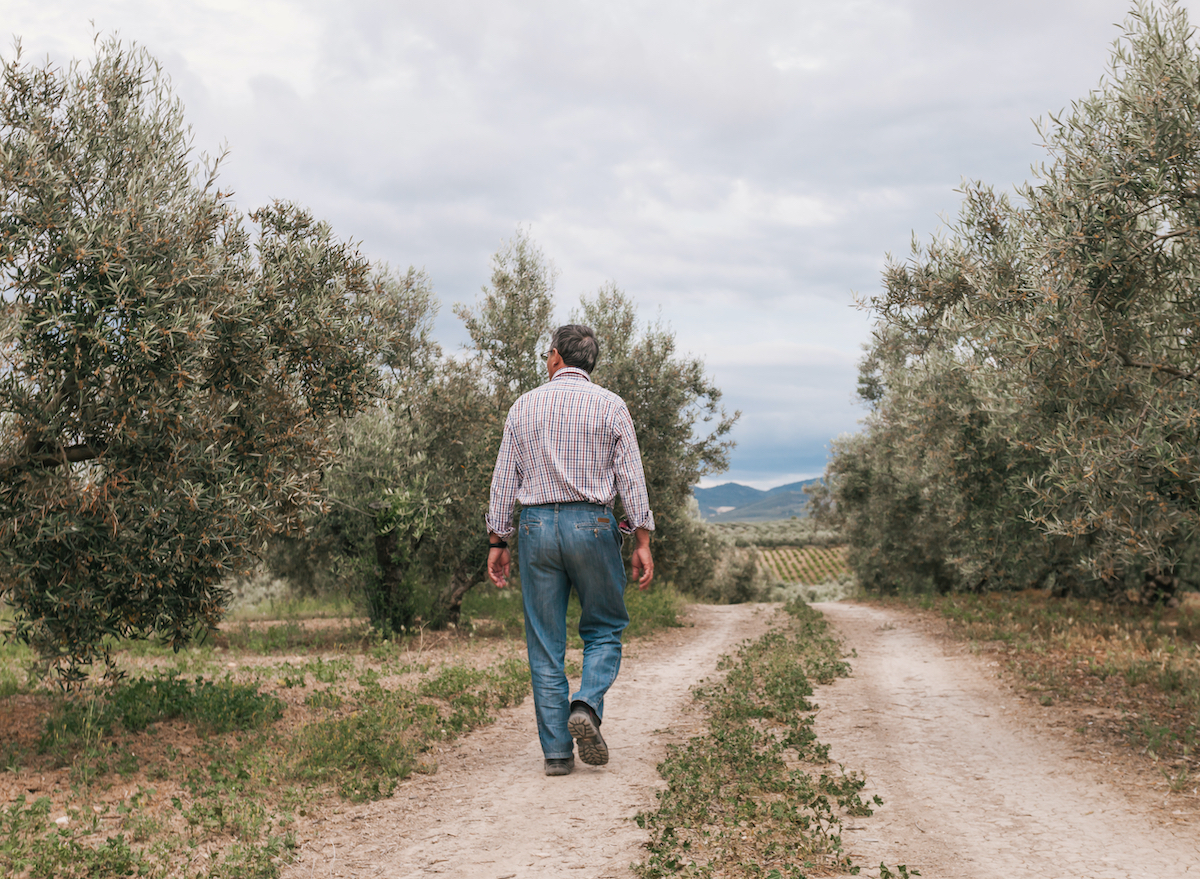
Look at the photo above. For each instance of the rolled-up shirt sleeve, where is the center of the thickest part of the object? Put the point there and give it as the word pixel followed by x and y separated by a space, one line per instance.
pixel 506 482
pixel 627 471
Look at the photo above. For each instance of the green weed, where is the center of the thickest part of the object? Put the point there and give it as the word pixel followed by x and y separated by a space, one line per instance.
pixel 255 861
pixel 1178 782
pixel 329 672
pixel 290 676
pixel 655 608
pixel 1144 732
pixel 472 693
pixel 12 758
pixel 365 754
pixel 324 699
pixel 902 872
pixel 215 707
pixel 31 845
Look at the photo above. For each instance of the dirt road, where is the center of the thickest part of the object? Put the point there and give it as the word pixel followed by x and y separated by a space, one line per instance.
pixel 978 783
pixel 490 813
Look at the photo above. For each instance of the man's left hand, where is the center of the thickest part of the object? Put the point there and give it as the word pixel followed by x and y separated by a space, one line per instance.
pixel 643 564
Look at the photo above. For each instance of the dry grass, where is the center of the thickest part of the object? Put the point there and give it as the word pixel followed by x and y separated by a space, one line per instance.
pixel 1134 671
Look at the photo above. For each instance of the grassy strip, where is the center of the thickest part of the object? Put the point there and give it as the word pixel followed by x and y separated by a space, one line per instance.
pixel 740 801
pixel 186 768
pixel 214 706
pixel 367 752
pixel 230 811
pixel 1134 670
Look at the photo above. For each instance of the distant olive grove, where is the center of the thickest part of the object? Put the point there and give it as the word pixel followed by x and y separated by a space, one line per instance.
pixel 187 392
pixel 1034 375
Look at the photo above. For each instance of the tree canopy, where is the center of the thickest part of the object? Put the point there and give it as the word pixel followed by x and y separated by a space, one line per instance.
pixel 185 390
pixel 1033 373
pixel 169 369
pixel 436 440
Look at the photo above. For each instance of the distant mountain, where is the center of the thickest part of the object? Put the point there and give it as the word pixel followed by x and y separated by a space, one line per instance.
pixel 793 486
pixel 728 495
pixel 779 505
pixel 733 502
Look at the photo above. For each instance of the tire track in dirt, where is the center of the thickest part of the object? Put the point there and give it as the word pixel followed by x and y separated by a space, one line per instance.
pixel 490 812
pixel 975 783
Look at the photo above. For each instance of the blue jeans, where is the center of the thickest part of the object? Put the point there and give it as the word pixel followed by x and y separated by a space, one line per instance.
pixel 560 546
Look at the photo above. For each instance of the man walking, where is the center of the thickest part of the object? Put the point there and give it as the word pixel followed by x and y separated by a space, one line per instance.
pixel 568 448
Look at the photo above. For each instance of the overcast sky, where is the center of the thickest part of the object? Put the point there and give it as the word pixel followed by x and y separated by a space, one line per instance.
pixel 741 169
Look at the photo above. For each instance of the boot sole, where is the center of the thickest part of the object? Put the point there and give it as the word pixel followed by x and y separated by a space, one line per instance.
pixel 592 749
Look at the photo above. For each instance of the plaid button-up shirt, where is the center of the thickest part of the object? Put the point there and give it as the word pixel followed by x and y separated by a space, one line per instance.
pixel 565 442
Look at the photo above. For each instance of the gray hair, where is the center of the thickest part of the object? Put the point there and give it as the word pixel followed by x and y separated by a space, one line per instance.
pixel 577 346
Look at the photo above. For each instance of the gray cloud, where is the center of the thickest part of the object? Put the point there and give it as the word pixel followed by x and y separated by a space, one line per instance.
pixel 738 167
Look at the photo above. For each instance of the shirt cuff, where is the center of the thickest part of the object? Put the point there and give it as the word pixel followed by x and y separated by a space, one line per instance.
pixel 502 532
pixel 647 521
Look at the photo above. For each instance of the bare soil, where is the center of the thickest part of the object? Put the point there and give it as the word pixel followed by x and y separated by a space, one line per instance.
pixel 489 812
pixel 979 782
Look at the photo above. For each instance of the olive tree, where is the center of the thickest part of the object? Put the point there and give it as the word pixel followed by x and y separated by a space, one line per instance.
pixel 464 410
pixel 510 325
pixel 681 426
pixel 418 466
pixel 1070 320
pixel 376 508
pixel 168 370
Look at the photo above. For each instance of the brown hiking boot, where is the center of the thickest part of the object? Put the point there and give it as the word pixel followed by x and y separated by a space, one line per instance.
pixel 584 727
pixel 559 765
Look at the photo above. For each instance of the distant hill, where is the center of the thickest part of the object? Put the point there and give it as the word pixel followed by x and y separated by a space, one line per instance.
pixel 793 486
pixel 728 495
pixel 733 502
pixel 782 505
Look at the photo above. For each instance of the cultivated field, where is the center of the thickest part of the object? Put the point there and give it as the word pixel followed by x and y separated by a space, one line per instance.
pixel 806 565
